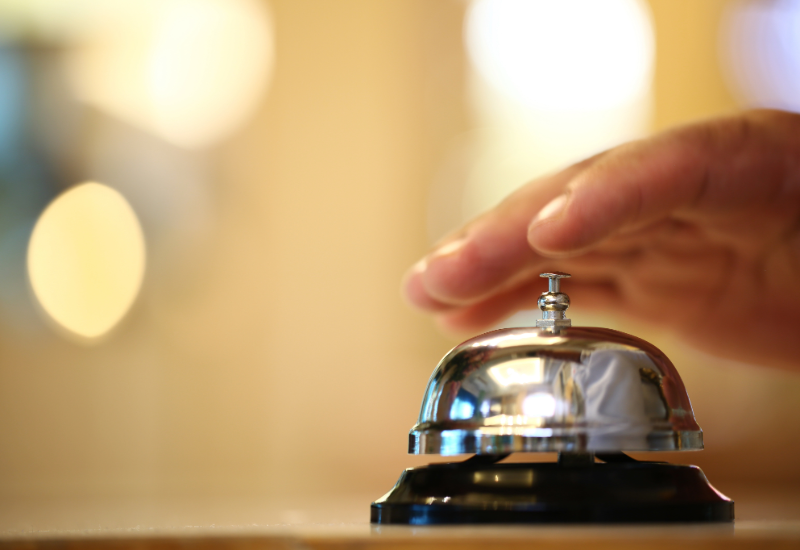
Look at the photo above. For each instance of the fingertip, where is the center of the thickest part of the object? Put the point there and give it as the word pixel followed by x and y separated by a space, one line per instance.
pixel 452 273
pixel 414 291
pixel 543 238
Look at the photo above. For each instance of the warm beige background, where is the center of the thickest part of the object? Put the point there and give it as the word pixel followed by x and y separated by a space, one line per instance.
pixel 278 358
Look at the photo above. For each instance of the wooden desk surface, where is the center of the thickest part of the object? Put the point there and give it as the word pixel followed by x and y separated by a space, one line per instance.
pixel 767 517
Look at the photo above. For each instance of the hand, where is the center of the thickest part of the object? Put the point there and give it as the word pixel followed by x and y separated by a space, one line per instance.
pixel 696 230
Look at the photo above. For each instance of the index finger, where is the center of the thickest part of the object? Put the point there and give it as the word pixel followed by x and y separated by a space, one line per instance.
pixel 727 166
pixel 487 254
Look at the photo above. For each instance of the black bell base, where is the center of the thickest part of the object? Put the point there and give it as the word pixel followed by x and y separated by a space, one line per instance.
pixel 541 493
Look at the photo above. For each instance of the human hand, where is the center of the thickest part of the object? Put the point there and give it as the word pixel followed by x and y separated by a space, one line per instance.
pixel 696 230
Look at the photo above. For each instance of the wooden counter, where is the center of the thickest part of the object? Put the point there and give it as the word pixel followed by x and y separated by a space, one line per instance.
pixel 768 517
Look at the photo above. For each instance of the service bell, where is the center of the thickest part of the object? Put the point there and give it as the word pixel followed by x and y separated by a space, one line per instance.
pixel 587 393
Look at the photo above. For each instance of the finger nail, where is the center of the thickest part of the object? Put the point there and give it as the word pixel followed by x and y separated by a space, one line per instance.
pixel 418 267
pixel 444 250
pixel 448 249
pixel 551 209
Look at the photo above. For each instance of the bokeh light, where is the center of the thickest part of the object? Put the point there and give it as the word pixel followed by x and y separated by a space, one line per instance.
pixel 86 259
pixel 552 83
pixel 761 48
pixel 565 55
pixel 190 71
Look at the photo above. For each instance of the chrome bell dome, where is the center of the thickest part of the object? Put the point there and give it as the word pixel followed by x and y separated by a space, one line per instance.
pixel 554 388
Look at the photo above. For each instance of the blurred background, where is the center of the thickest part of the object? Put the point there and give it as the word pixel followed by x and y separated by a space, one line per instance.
pixel 207 206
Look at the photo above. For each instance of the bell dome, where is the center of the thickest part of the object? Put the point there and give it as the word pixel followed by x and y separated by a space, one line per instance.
pixel 554 388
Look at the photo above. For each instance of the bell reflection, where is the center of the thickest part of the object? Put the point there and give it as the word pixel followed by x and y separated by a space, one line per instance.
pixel 463 407
pixel 619 400
pixel 511 479
pixel 614 394
pixel 539 404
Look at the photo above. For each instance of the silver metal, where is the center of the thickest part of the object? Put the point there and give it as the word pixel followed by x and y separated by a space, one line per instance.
pixel 553 322
pixel 554 280
pixel 555 389
pixel 554 303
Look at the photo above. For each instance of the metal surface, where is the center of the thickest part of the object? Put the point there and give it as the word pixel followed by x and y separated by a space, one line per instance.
pixel 554 303
pixel 555 388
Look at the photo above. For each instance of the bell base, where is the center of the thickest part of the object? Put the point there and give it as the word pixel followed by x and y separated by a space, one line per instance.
pixel 546 493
